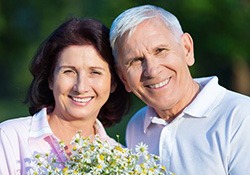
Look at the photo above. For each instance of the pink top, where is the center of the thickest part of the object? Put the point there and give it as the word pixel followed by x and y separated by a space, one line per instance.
pixel 20 138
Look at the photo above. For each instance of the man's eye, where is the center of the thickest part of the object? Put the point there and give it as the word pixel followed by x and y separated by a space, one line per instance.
pixel 159 50
pixel 136 61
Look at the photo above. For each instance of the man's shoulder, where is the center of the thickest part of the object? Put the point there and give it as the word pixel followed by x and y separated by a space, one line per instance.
pixel 237 103
pixel 140 114
pixel 138 117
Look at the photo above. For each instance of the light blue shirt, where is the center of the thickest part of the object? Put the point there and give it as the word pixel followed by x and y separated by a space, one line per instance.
pixel 210 137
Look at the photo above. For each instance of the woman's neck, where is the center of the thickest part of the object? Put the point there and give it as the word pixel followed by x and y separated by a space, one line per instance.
pixel 65 130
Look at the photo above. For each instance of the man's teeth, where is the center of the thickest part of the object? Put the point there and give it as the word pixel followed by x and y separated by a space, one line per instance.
pixel 82 100
pixel 159 85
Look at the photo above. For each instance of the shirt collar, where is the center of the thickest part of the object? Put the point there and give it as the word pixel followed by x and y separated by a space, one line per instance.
pixel 100 129
pixel 152 117
pixel 102 133
pixel 209 96
pixel 39 125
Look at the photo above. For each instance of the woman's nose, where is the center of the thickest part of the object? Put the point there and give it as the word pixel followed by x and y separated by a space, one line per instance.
pixel 81 84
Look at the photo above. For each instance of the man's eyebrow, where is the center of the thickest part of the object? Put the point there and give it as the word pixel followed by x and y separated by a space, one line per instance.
pixel 127 63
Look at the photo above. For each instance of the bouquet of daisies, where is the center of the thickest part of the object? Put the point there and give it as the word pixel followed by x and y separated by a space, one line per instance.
pixel 97 157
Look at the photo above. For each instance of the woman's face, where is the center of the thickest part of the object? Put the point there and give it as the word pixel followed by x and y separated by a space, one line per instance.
pixel 81 83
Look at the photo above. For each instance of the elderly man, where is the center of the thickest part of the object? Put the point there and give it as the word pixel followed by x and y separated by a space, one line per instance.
pixel 196 126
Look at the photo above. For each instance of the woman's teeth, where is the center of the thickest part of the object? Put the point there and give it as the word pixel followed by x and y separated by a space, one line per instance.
pixel 82 100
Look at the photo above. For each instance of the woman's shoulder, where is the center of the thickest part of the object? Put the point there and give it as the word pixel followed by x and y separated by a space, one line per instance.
pixel 16 124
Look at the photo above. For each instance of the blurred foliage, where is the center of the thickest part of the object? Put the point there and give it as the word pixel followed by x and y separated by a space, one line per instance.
pixel 220 30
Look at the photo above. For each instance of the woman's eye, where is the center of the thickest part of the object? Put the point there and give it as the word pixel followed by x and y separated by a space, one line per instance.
pixel 69 71
pixel 96 72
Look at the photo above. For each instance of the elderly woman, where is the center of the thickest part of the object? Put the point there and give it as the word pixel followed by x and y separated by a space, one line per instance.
pixel 74 88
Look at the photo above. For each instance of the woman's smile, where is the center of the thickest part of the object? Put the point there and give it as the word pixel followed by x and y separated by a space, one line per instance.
pixel 81 99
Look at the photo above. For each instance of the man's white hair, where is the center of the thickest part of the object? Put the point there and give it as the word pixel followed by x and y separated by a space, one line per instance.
pixel 127 21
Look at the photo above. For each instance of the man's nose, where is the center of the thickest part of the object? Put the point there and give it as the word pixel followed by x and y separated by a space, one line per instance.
pixel 151 68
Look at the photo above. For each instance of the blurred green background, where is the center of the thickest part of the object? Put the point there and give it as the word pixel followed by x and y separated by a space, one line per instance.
pixel 220 30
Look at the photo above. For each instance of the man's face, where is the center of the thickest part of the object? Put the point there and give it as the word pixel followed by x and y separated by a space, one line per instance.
pixel 153 64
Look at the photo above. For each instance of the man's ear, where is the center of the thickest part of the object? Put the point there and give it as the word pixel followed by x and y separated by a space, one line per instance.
pixel 122 77
pixel 187 43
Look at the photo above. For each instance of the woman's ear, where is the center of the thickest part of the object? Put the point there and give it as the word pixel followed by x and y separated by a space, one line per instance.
pixel 188 47
pixel 122 77
pixel 50 81
pixel 113 86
